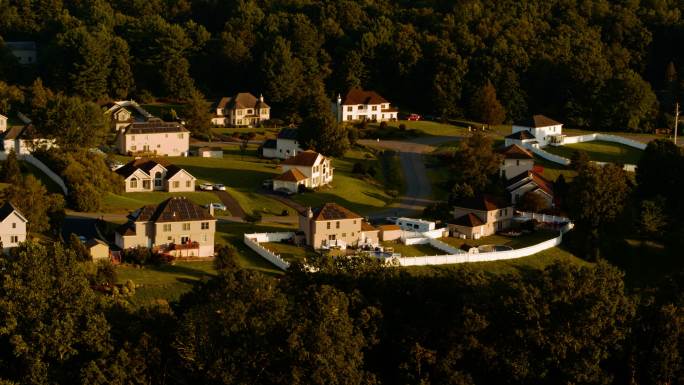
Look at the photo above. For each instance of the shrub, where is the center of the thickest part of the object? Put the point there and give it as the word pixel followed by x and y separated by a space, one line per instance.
pixel 402 127
pixel 359 168
pixel 106 273
pixel 383 125
pixel 371 171
pixel 225 258
pixel 139 255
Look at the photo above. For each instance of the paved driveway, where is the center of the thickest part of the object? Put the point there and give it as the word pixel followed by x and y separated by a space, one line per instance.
pixel 231 203
pixel 418 194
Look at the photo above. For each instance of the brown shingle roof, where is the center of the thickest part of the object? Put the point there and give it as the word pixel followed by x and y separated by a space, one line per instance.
pixel 154 127
pixel 359 96
pixel 515 152
pixel 292 175
pixel 483 203
pixel 242 100
pixel 365 226
pixel 468 220
pixel 540 121
pixel 303 158
pixel 536 178
pixel 126 229
pixel 172 170
pixel 175 209
pixel 333 211
pixel 521 135
pixel 389 227
pixel 144 164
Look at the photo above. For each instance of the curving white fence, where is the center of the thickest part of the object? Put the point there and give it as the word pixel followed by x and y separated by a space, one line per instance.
pixel 547 155
pixel 604 138
pixel 252 241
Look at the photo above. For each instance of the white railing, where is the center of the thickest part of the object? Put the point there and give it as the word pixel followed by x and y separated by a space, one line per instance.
pixel 271 237
pixel 251 240
pixel 542 217
pixel 547 155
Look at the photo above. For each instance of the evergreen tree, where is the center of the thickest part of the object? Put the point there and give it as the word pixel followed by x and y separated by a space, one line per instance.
pixel 485 107
pixel 198 115
pixel 121 77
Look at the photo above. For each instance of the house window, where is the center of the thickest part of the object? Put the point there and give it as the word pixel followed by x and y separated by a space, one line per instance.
pixel 186 226
pixel 205 225
pixel 132 138
pixel 159 146
pixel 146 184
pixel 158 179
pixel 180 136
pixel 134 183
pixel 250 111
pixel 14 239
pixel 176 184
pixel 14 225
pixel 169 238
pixel 188 183
pixel 327 225
pixel 354 221
pixel 360 108
pixel 344 235
pixel 167 227
pixel 185 239
pixel 349 117
pixel 374 108
pixel 337 224
pixel 133 148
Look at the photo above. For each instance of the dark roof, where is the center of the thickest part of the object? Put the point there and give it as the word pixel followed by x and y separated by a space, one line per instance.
pixel 20 132
pixel 223 102
pixel 293 175
pixel 172 170
pixel 7 209
pixel 175 209
pixel 303 158
pixel 244 100
pixel 468 220
pixel 13 133
pixel 515 152
pixel 94 241
pixel 521 135
pixel 21 45
pixel 270 143
pixel 333 211
pixel 144 164
pixel 365 226
pixel 483 202
pixel 154 127
pixel 540 121
pixel 536 178
pixel 288 133
pixel 126 229
pixel 359 96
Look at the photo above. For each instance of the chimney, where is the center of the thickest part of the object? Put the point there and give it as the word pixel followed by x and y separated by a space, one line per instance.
pixel 309 212
pixel 339 99
pixel 211 209
pixel 261 98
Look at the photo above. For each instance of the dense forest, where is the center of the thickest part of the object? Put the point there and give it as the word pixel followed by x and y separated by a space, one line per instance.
pixel 591 63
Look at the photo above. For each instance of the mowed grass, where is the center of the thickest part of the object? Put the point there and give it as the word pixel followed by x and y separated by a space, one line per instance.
pixel 232 234
pixel 412 250
pixel 600 151
pixel 429 128
pixel 362 195
pixel 290 252
pixel 521 241
pixel 125 202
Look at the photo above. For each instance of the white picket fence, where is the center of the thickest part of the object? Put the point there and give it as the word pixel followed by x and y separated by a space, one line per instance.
pixel 252 241
pixel 481 257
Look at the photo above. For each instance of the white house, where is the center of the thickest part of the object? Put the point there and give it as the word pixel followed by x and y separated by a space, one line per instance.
pixel 529 182
pixel 154 137
pixel 286 145
pixel 516 160
pixel 241 110
pixel 307 168
pixel 3 123
pixel 12 227
pixel 359 105
pixel 545 130
pixel 23 140
pixel 210 152
pixel 147 175
pixel 25 51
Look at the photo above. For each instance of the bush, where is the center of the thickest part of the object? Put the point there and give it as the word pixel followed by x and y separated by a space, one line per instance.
pixel 106 273
pixel 138 256
pixel 371 171
pixel 383 125
pixel 359 168
pixel 225 258
pixel 402 127
pixel 145 97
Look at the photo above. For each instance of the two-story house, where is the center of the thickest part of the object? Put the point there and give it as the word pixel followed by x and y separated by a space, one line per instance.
pixel 241 110
pixel 149 175
pixel 177 226
pixel 23 140
pixel 124 112
pixel 359 105
pixel 544 130
pixel 308 168
pixel 480 216
pixel 284 146
pixel 154 137
pixel 516 160
pixel 333 226
pixel 12 227
pixel 530 182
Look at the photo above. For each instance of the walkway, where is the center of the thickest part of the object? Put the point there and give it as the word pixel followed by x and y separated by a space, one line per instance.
pixel 231 203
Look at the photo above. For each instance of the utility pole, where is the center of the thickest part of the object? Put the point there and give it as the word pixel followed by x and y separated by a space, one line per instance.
pixel 676 122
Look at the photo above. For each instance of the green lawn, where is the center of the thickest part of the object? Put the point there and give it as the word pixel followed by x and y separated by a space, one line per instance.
pixel 412 250
pixel 524 240
pixel 553 170
pixel 428 128
pixel 289 252
pixel 232 233
pixel 261 132
pixel 359 194
pixel 114 203
pixel 600 151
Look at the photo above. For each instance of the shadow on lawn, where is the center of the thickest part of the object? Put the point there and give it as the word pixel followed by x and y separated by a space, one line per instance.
pixel 182 270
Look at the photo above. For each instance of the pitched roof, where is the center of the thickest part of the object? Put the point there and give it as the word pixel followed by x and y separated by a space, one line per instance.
pixel 333 211
pixel 521 135
pixel 94 241
pixel 270 143
pixel 174 209
pixel 223 102
pixel 13 133
pixel 288 133
pixel 515 152
pixel 359 96
pixel 540 121
pixel 243 100
pixel 365 226
pixel 154 127
pixel 534 177
pixel 292 175
pixel 303 158
pixel 468 220
pixel 172 170
pixel 483 202
pixel 131 167
pixel 126 229
pixel 389 227
pixel 7 209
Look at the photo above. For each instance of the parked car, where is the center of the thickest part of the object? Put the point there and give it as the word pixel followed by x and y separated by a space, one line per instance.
pixel 413 117
pixel 268 183
pixel 216 206
pixel 206 187
pixel 219 186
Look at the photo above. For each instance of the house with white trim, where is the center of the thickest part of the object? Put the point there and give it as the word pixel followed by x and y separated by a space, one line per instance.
pixel 124 112
pixel 241 110
pixel 516 160
pixel 12 227
pixel 308 168
pixel 333 226
pixel 360 105
pixel 544 130
pixel 480 216
pixel 143 175
pixel 154 137
pixel 530 182
pixel 286 145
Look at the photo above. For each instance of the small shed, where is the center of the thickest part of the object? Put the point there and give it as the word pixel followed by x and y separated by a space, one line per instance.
pixel 389 232
pixel 210 152
pixel 469 249
pixel 98 250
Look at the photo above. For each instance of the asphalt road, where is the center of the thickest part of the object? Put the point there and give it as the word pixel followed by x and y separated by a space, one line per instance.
pixel 418 194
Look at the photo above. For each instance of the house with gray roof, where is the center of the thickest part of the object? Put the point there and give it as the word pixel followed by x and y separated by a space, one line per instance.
pixel 285 146
pixel 153 138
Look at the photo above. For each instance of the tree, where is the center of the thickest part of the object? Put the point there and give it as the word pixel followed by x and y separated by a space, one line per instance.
pixel 33 200
pixel 176 78
pixel 485 107
pixel 579 159
pixel 198 116
pixel 652 218
pixel 121 76
pixel 72 122
pixel 283 77
pixel 532 202
pixel 39 95
pixel 86 59
pixel 630 103
pixel 9 95
pixel 320 129
pixel 11 171
pixel 475 164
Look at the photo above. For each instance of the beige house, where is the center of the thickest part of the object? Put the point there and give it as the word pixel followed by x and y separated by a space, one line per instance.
pixel 3 123
pixel 333 226
pixel 12 227
pixel 154 137
pixel 530 182
pixel 97 249
pixel 241 110
pixel 516 160
pixel 480 216
pixel 23 140
pixel 359 105
pixel 148 175
pixel 307 168
pixel 124 112
pixel 390 232
pixel 286 145
pixel 177 226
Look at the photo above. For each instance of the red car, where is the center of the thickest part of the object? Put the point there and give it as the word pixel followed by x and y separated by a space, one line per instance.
pixel 413 117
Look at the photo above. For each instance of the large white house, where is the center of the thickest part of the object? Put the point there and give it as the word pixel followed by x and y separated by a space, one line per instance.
pixel 359 105
pixel 12 227
pixel 148 175
pixel 307 168
pixel 241 110
pixel 286 145
pixel 544 130
pixel 516 160
pixel 154 137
